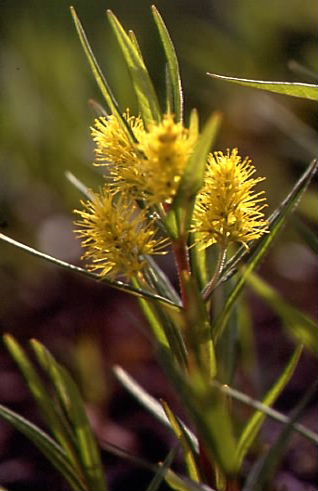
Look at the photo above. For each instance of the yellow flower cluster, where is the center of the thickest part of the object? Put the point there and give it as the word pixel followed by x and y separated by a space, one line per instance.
pixel 149 168
pixel 145 166
pixel 227 209
pixel 116 235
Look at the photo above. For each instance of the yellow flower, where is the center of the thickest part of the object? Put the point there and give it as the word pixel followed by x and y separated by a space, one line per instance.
pixel 227 209
pixel 166 148
pixel 150 168
pixel 117 235
pixel 116 150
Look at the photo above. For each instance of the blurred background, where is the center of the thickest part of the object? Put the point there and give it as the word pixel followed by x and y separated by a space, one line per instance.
pixel 45 115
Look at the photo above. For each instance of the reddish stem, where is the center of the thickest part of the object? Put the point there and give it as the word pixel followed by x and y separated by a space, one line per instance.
pixel 183 265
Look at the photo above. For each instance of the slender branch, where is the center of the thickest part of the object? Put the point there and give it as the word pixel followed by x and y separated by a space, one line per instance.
pixel 218 270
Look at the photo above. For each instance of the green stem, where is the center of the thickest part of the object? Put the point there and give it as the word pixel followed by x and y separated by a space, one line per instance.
pixel 207 291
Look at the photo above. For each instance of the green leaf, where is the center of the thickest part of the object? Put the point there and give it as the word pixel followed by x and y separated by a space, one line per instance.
pixel 254 425
pixel 145 92
pixel 43 399
pixel 188 449
pixel 48 447
pixel 99 77
pixel 192 179
pixel 305 91
pixel 300 326
pixel 149 402
pixel 268 411
pixel 259 248
pixel 185 484
pixel 72 403
pixel 117 285
pixel 161 473
pixel 173 66
pixel 260 475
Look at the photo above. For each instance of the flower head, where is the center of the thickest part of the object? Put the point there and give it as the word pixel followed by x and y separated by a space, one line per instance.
pixel 227 209
pixel 116 150
pixel 150 168
pixel 117 235
pixel 166 148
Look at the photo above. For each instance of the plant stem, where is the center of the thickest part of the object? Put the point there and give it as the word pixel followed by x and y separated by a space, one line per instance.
pixel 218 270
pixel 183 266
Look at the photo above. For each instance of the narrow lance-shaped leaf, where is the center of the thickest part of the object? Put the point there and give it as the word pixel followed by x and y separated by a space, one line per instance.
pixel 270 412
pixel 118 285
pixel 173 65
pixel 255 423
pixel 189 453
pixel 259 477
pixel 300 326
pixel 99 77
pixel 52 451
pixel 145 92
pixel 162 471
pixel 295 89
pixel 149 402
pixel 43 399
pixel 73 406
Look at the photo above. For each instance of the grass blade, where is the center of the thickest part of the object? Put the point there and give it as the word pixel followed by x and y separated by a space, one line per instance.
pixel 255 423
pixel 305 91
pixel 118 285
pixel 173 66
pixel 73 406
pixel 48 447
pixel 145 92
pixel 299 325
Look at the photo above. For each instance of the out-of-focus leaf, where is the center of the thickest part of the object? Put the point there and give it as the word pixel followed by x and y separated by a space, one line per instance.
pixel 254 425
pixel 162 471
pixel 305 232
pixel 188 449
pixel 295 89
pixel 257 253
pixel 145 92
pixel 259 477
pixel 44 400
pixel 299 325
pixel 191 181
pixel 118 285
pixel 99 77
pixel 173 66
pixel 185 484
pixel 149 402
pixel 72 403
pixel 52 451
